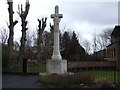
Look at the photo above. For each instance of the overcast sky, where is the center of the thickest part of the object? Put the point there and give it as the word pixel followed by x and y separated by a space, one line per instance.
pixel 85 18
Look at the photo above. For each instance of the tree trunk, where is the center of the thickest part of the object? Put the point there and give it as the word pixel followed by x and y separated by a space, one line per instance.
pixel 11 28
pixel 23 15
pixel 41 28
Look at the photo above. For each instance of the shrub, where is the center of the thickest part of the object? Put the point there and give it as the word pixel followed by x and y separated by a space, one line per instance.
pixel 107 85
pixel 87 79
pixel 66 81
pixel 118 85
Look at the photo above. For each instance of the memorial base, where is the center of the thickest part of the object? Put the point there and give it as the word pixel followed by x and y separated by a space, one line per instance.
pixel 56 66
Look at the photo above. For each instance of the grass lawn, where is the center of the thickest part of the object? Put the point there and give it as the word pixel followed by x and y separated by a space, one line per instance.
pixel 41 68
pixel 105 76
pixel 30 69
pixel 13 69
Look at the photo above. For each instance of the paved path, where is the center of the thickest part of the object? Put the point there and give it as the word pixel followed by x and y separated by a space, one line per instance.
pixel 21 81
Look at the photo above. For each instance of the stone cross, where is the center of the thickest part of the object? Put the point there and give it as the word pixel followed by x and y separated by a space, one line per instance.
pixel 56 18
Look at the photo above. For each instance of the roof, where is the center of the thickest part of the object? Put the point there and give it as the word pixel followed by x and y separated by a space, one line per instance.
pixel 116 30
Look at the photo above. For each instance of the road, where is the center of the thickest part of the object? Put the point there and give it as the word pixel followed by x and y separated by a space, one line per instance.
pixel 21 81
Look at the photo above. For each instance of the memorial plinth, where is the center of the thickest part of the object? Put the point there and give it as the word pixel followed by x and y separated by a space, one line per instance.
pixel 56 64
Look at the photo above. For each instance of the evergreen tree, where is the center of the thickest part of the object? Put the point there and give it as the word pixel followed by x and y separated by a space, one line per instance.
pixel 76 51
pixel 65 45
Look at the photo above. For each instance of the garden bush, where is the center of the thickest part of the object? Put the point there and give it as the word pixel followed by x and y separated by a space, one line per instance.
pixel 67 81
pixel 107 85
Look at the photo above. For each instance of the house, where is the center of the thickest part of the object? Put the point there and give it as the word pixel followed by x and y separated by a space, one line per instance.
pixel 113 50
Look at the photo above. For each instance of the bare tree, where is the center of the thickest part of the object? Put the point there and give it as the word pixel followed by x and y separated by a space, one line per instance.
pixel 47 44
pixel 16 46
pixel 87 46
pixel 23 15
pixel 4 36
pixel 11 26
pixel 51 35
pixel 94 44
pixel 34 37
pixel 29 39
pixel 29 45
pixel 103 39
pixel 106 36
pixel 41 28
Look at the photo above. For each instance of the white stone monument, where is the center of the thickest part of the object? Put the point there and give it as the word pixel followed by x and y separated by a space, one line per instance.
pixel 56 64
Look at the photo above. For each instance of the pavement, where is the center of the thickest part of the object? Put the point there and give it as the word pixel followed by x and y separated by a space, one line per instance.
pixel 21 81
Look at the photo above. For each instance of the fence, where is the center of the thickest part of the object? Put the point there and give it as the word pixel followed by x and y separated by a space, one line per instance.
pixel 100 71
pixel 26 65
pixel 103 71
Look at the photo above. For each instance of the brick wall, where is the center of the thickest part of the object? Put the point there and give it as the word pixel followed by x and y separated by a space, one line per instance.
pixel 91 64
